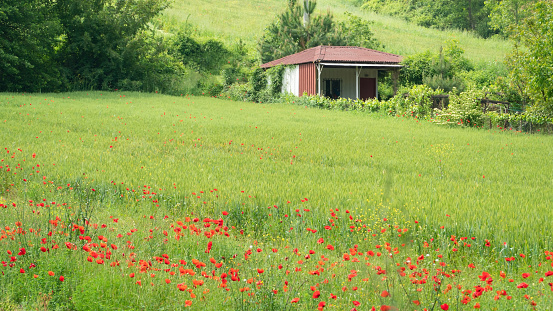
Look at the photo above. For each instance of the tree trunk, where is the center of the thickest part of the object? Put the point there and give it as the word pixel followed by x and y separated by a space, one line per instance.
pixel 471 20
pixel 306 17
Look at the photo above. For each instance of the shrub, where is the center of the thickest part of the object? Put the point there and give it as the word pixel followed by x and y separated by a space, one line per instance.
pixel 464 109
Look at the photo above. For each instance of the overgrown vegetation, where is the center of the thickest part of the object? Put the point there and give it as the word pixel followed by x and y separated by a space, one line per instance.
pixel 483 17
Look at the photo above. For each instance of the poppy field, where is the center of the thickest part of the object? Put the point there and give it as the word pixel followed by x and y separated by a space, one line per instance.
pixel 132 201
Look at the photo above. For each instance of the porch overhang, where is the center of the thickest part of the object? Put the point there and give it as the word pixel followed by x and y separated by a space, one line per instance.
pixel 373 66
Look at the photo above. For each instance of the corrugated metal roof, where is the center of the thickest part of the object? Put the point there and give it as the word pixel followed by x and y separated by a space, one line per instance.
pixel 343 54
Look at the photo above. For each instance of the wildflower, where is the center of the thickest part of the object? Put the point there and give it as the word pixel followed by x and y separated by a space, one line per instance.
pixel 522 285
pixel 445 306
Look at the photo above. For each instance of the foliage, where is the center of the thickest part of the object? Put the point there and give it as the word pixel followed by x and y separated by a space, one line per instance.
pixel 275 75
pixel 507 15
pixel 258 83
pixel 416 102
pixel 99 44
pixel 357 32
pixel 464 109
pixel 149 65
pixel 439 71
pixel 209 56
pixel 415 67
pixel 289 34
pixel 466 14
pixel 531 63
pixel 29 34
pixel 443 78
pixel 96 35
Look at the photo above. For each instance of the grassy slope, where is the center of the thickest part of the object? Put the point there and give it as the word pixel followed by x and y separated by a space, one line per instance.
pixel 246 19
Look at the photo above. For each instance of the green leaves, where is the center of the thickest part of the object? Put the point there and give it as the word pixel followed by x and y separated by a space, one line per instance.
pixel 531 63
pixel 289 34
pixel 28 35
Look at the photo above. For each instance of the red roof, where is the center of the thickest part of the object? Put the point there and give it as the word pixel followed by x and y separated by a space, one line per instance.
pixel 342 54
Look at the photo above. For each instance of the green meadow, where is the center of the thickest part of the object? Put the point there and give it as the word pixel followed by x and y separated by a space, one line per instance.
pixel 246 21
pixel 147 201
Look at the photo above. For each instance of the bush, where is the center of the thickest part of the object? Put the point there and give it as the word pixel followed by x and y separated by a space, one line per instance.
pixel 464 109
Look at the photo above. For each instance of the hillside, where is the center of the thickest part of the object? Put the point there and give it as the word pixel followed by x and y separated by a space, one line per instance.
pixel 246 19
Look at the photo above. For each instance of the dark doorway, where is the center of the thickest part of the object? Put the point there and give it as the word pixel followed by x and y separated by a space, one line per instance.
pixel 367 88
pixel 332 88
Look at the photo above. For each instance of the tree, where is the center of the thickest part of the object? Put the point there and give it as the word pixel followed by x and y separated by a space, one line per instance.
pixel 443 77
pixel 531 63
pixel 358 32
pixel 96 34
pixel 506 15
pixel 28 32
pixel 469 15
pixel 291 32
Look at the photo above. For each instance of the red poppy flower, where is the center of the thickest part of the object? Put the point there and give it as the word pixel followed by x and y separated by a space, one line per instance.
pixel 62 278
pixel 445 306
pixel 295 300
pixel 522 285
pixel 316 294
pixel 321 305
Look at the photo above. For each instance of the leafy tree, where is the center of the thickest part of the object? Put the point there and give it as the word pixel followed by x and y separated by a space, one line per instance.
pixel 28 32
pixel 506 15
pixel 460 14
pixel 96 34
pixel 209 56
pixel 358 32
pixel 531 63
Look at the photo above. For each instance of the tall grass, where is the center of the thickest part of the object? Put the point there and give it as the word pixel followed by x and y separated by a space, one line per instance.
pixel 279 152
pixel 133 170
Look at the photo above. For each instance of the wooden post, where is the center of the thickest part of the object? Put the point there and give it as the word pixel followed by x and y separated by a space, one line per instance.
pixel 395 79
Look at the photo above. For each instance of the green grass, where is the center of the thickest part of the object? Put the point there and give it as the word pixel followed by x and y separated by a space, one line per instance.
pixel 154 160
pixel 247 19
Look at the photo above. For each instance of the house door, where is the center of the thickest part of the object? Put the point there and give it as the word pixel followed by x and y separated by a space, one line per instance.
pixel 367 88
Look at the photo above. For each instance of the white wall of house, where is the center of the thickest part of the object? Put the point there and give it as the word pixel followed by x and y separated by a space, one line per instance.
pixel 347 77
pixel 291 80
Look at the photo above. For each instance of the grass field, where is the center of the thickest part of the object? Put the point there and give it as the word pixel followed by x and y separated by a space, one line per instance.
pixel 145 201
pixel 246 20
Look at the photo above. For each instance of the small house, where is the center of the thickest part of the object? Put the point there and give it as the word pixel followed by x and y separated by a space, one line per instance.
pixel 336 71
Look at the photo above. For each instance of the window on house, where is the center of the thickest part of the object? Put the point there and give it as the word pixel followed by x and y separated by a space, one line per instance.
pixel 332 88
